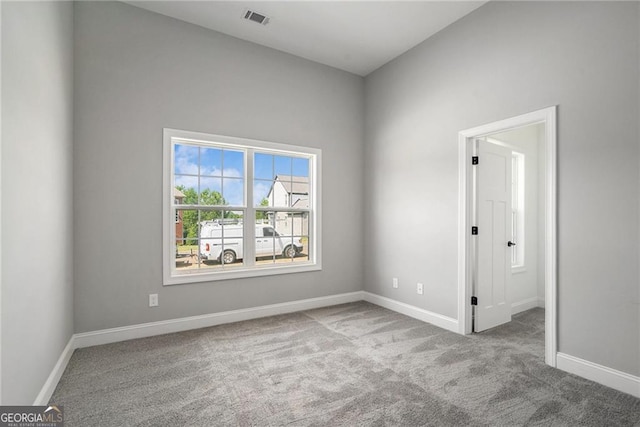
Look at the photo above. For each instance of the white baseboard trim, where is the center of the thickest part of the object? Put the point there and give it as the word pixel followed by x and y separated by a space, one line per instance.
pixel 52 382
pixel 541 302
pixel 524 305
pixel 107 336
pixel 436 319
pixel 609 377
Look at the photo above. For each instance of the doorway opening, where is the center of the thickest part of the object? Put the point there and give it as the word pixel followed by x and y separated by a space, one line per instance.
pixel 507 224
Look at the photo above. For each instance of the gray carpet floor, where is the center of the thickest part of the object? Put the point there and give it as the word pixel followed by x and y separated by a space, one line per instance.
pixel 348 365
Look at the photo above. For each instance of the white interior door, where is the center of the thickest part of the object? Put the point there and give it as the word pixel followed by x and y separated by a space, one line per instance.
pixel 493 255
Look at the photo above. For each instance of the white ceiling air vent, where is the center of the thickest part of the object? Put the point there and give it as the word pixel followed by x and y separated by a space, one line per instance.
pixel 256 17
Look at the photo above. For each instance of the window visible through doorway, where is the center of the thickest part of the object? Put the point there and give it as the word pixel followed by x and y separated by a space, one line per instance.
pixel 517 209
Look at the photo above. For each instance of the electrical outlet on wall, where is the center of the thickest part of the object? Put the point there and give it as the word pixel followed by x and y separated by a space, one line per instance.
pixel 153 300
pixel 395 283
pixel 420 289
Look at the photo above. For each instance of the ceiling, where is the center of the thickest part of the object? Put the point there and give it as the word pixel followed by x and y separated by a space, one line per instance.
pixel 355 36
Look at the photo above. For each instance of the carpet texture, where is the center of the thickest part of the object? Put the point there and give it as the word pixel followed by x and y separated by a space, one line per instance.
pixel 348 365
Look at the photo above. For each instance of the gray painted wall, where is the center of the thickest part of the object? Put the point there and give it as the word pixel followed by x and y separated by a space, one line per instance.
pixel 37 293
pixel 638 121
pixel 137 72
pixel 505 59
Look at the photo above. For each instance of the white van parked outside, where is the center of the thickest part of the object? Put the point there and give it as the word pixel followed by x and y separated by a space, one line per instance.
pixel 268 242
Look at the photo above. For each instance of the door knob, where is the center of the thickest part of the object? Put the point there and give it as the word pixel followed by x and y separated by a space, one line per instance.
pixel 510 244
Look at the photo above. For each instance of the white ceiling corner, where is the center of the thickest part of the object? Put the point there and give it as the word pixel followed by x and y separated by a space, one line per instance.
pixel 355 36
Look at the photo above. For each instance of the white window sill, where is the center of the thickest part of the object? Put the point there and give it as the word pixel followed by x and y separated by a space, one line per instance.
pixel 239 273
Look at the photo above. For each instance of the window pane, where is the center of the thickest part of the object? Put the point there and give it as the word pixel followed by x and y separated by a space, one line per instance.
pixel 300 168
pixel 292 224
pixel 296 248
pixel 280 238
pixel 517 217
pixel 265 238
pixel 201 172
pixel 210 250
pixel 233 163
pixel 187 225
pixel 184 183
pixel 211 192
pixel 300 193
pixel 282 166
pixel 262 192
pixel 233 191
pixel 514 234
pixel 179 196
pixel 185 159
pixel 281 192
pixel 195 230
pixel 186 254
pixel 210 161
pixel 209 215
pixel 263 166
pixel 221 239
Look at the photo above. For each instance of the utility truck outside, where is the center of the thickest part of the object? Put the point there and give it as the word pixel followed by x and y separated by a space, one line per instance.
pixel 223 242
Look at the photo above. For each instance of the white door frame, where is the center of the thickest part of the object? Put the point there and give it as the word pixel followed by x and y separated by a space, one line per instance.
pixel 465 138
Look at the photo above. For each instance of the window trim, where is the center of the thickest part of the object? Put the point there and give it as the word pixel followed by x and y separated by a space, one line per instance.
pixel 249 269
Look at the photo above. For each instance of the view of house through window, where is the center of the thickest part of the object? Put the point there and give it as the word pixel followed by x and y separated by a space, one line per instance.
pixel 281 183
pixel 239 206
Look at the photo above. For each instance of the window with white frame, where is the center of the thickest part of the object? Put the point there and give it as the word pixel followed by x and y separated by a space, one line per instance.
pixel 517 210
pixel 245 207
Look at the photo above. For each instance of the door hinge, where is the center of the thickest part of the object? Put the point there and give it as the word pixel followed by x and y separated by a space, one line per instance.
pixel 474 230
pixel 474 160
pixel 474 300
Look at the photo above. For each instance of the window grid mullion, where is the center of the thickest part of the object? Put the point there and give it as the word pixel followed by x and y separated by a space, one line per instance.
pixel 249 212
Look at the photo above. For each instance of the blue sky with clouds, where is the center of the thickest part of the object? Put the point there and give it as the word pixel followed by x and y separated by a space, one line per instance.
pixel 223 171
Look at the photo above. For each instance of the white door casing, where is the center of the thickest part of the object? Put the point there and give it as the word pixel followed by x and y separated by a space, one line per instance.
pixel 465 266
pixel 493 263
